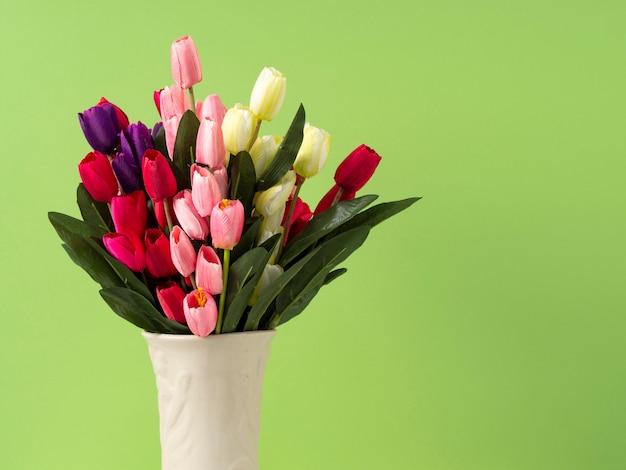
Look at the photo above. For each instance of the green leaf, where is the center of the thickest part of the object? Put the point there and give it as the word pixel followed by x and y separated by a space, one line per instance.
pixel 70 227
pixel 136 309
pixel 93 212
pixel 84 255
pixel 334 275
pixel 160 144
pixel 242 180
pixel 185 145
pixel 301 289
pixel 247 240
pixel 322 224
pixel 286 154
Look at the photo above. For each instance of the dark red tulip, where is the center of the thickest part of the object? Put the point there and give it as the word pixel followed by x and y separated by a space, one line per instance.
pixel 158 177
pixel 357 168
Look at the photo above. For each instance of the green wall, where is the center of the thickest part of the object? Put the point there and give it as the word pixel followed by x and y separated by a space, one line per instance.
pixel 484 328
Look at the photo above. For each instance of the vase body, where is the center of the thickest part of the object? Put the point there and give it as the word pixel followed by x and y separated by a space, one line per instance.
pixel 209 394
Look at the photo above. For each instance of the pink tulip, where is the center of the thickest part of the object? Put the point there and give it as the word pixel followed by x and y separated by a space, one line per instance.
pixel 205 190
pixel 221 175
pixel 185 62
pixel 157 176
pixel 182 252
pixel 126 248
pixel 170 127
pixel 329 198
pixel 210 148
pixel 357 168
pixel 158 258
pixel 98 177
pixel 192 223
pixel 173 101
pixel 211 108
pixel 227 221
pixel 171 297
pixel 200 312
pixel 129 212
pixel 209 271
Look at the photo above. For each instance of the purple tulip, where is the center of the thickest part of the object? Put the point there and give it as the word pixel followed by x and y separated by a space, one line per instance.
pixel 135 140
pixel 101 127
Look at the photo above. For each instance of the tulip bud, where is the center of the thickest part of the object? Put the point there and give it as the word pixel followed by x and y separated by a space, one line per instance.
pixel 129 213
pixel 192 223
pixel 174 102
pixel 101 127
pixel 263 152
pixel 98 177
pixel 126 248
pixel 334 195
pixel 357 168
pixel 171 130
pixel 227 223
pixel 268 94
pixel 135 140
pixel 211 108
pixel 171 297
pixel 209 271
pixel 221 176
pixel 270 273
pixel 299 219
pixel 200 312
pixel 127 172
pixel 182 252
pixel 313 151
pixel 157 176
pixel 156 96
pixel 205 190
pixel 237 128
pixel 158 258
pixel 210 148
pixel 185 62
pixel 271 200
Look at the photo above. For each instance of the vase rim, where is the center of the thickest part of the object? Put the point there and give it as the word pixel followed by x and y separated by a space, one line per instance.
pixel 213 337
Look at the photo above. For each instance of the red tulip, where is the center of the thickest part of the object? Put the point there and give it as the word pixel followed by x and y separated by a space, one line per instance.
pixel 227 221
pixel 209 271
pixel 157 176
pixel 182 252
pixel 200 312
pixel 185 62
pixel 299 219
pixel 357 168
pixel 98 177
pixel 192 223
pixel 171 297
pixel 158 258
pixel 126 248
pixel 130 213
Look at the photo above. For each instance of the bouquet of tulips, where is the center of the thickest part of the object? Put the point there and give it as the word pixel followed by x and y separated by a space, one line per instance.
pixel 196 225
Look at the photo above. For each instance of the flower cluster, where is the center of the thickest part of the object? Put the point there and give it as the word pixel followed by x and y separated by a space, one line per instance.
pixel 196 225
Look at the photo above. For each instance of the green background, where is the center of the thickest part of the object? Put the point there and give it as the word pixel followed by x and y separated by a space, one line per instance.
pixel 483 328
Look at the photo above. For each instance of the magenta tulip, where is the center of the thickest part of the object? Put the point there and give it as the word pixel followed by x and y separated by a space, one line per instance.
pixel 205 190
pixel 357 168
pixel 171 297
pixel 98 177
pixel 227 221
pixel 157 176
pixel 182 252
pixel 209 271
pixel 192 223
pixel 129 212
pixel 158 258
pixel 126 248
pixel 211 108
pixel 210 148
pixel 185 62
pixel 200 312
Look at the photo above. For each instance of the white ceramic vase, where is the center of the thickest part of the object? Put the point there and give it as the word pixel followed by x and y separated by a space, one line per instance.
pixel 209 392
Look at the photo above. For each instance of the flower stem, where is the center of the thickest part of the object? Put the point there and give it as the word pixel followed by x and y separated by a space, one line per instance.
pixel 192 98
pixel 168 214
pixel 292 207
pixel 220 313
pixel 337 196
pixel 255 134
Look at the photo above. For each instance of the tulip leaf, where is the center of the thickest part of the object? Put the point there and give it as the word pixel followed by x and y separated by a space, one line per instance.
pixel 160 144
pixel 69 227
pixel 301 289
pixel 242 179
pixel 185 145
pixel 324 223
pixel 286 153
pixel 247 240
pixel 334 275
pixel 84 255
pixel 140 312
pixel 93 212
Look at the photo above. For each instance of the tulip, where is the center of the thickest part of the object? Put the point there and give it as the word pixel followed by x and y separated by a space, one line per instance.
pixel 211 108
pixel 227 223
pixel 158 259
pixel 122 119
pixel 205 190
pixel 210 149
pixel 157 176
pixel 185 62
pixel 357 168
pixel 268 94
pixel 263 152
pixel 270 273
pixel 299 219
pixel 98 177
pixel 237 128
pixel 200 312
pixel 221 175
pixel 192 223
pixel 271 200
pixel 182 252
pixel 334 195
pixel 209 271
pixel 126 248
pixel 135 140
pixel 101 127
pixel 171 130
pixel 129 213
pixel 127 172
pixel 171 297
pixel 173 102
pixel 156 96
pixel 313 151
